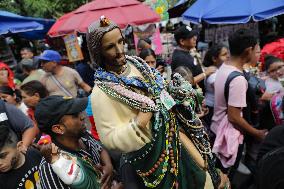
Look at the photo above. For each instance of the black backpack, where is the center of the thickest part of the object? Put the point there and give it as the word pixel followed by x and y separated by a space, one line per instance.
pixel 256 87
pixel 270 170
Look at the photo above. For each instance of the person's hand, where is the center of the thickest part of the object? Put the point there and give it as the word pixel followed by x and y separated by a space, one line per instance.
pixel 204 108
pixel 160 68
pixel 260 134
pixel 225 182
pixel 201 114
pixel 210 70
pixel 205 111
pixel 267 96
pixel 106 177
pixel 49 152
pixel 144 118
pixel 116 185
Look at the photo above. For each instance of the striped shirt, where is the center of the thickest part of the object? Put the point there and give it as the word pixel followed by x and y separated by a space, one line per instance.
pixel 49 180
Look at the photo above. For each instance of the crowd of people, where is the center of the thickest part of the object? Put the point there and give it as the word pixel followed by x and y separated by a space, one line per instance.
pixel 132 127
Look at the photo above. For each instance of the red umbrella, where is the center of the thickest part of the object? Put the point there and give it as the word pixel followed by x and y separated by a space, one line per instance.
pixel 126 12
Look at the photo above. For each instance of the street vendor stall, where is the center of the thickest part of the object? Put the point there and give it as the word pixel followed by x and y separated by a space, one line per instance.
pixel 27 27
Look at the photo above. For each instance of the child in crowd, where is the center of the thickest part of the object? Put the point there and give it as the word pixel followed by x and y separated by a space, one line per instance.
pixel 273 66
pixel 13 97
pixel 17 170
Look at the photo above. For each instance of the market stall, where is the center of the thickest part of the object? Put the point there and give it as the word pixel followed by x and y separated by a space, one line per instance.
pixel 12 24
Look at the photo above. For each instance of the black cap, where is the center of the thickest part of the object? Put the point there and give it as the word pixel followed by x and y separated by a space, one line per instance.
pixel 27 63
pixel 184 32
pixel 50 110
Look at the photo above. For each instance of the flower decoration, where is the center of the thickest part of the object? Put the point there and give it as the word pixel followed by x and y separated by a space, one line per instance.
pixel 104 21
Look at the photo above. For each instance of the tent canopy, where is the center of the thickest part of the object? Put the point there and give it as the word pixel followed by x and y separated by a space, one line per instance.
pixel 28 27
pixel 126 12
pixel 13 23
pixel 233 11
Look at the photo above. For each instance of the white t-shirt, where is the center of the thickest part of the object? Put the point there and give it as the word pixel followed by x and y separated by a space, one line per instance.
pixel 209 85
pixel 23 108
pixel 273 86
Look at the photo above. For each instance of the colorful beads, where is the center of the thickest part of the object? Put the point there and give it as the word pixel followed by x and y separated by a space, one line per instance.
pixel 164 124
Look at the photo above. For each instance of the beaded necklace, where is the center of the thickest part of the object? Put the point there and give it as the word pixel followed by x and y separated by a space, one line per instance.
pixel 164 127
pixel 185 99
pixel 162 153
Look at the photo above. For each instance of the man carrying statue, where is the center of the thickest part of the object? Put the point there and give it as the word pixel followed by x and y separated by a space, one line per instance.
pixel 152 123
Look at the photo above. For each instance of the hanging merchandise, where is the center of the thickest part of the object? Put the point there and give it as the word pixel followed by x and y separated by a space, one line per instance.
pixel 168 46
pixel 221 33
pixel 73 48
pixel 149 31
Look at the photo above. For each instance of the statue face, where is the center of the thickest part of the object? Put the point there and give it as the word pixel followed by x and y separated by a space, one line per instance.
pixel 113 48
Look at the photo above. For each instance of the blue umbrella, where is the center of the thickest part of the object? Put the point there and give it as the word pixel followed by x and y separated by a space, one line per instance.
pixel 17 27
pixel 195 12
pixel 276 7
pixel 233 11
pixel 13 23
pixel 38 34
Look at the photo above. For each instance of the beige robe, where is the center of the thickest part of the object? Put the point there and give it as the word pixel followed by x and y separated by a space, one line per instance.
pixel 113 123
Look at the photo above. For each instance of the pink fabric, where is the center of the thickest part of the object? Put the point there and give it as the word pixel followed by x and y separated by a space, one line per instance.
pixel 227 137
pixel 227 143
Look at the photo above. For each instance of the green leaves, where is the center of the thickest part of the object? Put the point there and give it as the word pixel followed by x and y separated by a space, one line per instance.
pixel 41 8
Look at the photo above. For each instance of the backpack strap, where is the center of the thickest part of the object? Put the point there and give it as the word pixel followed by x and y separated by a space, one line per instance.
pixel 230 78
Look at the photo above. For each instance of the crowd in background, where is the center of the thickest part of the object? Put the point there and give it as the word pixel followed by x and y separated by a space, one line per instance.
pixel 238 102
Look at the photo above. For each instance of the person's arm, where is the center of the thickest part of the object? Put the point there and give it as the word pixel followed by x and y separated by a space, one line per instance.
pixel 117 131
pixel 28 137
pixel 106 169
pixel 85 87
pixel 205 74
pixel 237 101
pixel 79 81
pixel 234 116
pixel 48 179
pixel 22 124
pixel 267 96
